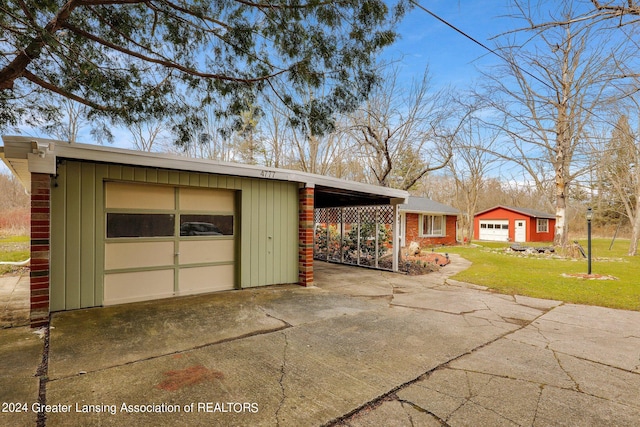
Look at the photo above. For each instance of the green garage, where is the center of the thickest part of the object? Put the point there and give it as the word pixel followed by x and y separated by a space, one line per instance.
pixel 112 226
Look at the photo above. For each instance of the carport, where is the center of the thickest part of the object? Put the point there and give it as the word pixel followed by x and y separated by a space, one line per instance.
pixel 110 226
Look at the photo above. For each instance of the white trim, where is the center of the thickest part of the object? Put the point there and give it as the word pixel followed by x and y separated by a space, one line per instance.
pixel 443 225
pixel 395 247
pixel 17 147
pixel 546 220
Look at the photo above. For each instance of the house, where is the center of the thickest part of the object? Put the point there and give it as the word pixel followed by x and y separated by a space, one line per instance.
pixel 111 226
pixel 427 222
pixel 509 224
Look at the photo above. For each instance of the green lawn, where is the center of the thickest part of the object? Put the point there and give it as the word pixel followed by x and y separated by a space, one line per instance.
pixel 542 277
pixel 14 248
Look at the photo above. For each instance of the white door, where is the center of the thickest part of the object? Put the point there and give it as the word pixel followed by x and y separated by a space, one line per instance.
pixel 521 231
pixel 494 230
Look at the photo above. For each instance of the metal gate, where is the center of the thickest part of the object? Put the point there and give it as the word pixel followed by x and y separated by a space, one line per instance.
pixel 360 235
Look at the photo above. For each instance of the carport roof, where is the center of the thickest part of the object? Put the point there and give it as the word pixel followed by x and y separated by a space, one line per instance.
pixel 24 155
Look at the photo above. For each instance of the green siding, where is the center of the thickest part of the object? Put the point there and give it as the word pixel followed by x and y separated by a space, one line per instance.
pixel 267 227
pixel 73 249
pixel 87 234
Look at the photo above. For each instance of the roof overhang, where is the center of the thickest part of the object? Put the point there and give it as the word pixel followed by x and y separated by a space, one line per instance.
pixel 529 213
pixel 429 212
pixel 26 155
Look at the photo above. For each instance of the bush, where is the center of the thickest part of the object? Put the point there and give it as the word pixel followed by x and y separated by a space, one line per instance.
pixel 15 222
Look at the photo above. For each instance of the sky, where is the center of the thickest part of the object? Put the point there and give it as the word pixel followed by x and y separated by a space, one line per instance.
pixel 452 59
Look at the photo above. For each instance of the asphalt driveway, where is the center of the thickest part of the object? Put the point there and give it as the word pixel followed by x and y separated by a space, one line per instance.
pixel 362 348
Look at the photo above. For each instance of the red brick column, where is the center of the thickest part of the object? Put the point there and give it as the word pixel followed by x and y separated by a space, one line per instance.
pixel 40 228
pixel 305 236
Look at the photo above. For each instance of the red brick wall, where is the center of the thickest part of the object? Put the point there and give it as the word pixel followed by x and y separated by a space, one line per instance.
pixel 40 223
pixel 305 236
pixel 412 232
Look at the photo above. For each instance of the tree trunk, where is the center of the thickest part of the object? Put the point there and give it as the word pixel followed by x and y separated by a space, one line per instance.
pixel 560 237
pixel 635 230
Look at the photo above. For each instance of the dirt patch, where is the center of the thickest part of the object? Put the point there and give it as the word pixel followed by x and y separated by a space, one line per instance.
pixel 586 276
pixel 178 379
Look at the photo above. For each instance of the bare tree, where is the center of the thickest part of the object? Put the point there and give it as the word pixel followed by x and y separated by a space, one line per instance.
pixel 277 149
pixel 552 90
pixel 398 131
pixel 71 118
pixel 148 134
pixel 471 162
pixel 13 194
pixel 619 170
pixel 624 11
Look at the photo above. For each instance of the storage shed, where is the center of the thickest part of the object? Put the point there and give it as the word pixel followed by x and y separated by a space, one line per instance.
pixel 509 224
pixel 111 226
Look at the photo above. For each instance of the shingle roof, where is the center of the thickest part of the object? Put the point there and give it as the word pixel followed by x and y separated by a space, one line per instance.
pixel 422 204
pixel 534 213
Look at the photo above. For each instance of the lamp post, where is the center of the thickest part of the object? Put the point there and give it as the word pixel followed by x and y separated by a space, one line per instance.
pixel 589 218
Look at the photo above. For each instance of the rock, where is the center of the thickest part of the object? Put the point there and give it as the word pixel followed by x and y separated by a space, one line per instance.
pixel 414 248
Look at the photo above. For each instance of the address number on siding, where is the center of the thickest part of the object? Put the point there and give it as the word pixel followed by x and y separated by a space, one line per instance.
pixel 268 174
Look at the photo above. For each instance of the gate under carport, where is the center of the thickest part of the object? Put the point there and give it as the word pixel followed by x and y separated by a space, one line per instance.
pixel 355 235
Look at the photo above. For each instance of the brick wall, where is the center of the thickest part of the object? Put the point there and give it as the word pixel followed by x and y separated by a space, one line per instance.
pixel 305 236
pixel 412 232
pixel 40 234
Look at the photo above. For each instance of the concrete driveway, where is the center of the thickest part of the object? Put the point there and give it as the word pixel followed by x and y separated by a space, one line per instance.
pixel 363 348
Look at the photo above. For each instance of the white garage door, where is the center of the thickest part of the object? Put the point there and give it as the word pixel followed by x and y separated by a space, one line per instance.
pixel 496 230
pixel 167 241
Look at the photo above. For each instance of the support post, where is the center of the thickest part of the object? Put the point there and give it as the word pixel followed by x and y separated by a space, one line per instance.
pixel 395 241
pixel 40 249
pixel 305 235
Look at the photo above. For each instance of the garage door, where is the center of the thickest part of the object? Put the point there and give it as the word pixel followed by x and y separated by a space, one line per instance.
pixel 496 230
pixel 167 241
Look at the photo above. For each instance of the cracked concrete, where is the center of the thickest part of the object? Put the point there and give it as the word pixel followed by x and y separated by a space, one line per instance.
pixel 14 301
pixel 361 348
pixel 283 373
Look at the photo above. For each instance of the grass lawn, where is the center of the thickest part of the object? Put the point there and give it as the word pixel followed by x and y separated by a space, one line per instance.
pixel 13 248
pixel 541 277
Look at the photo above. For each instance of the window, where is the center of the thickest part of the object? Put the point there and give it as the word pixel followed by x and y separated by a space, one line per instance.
pixel 542 225
pixel 206 225
pixel 433 225
pixel 140 225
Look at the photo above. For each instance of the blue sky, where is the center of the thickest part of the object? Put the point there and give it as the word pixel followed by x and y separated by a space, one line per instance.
pixel 452 59
pixel 426 42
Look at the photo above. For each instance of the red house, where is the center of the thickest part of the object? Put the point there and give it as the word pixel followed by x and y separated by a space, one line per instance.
pixel 509 224
pixel 427 222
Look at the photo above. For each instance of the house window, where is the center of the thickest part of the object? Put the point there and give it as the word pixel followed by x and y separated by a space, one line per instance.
pixel 432 225
pixel 206 225
pixel 542 225
pixel 140 225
